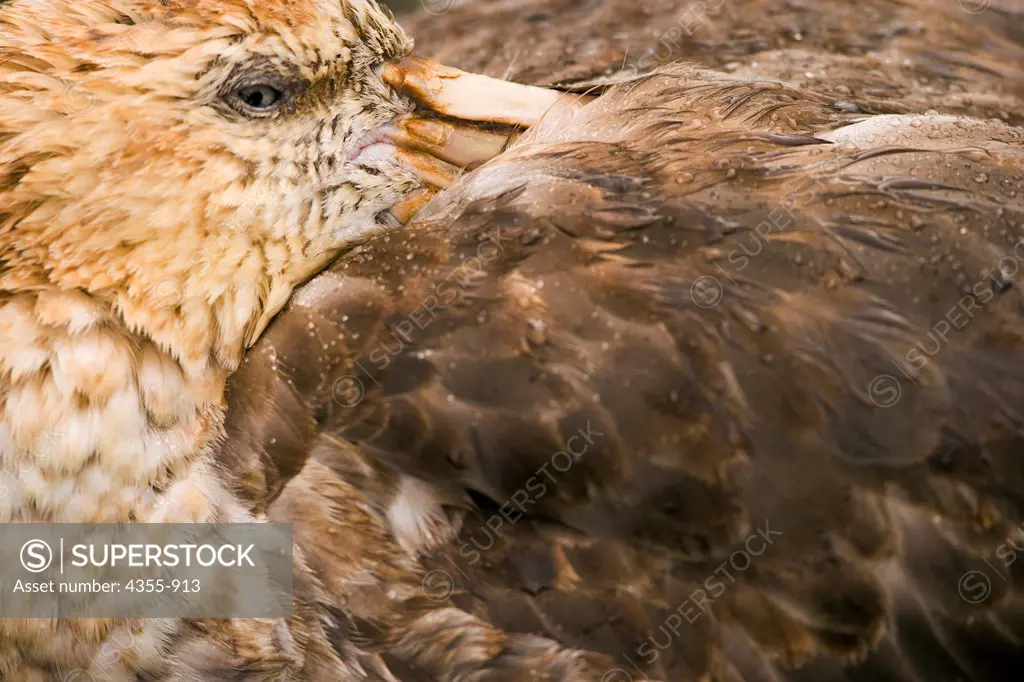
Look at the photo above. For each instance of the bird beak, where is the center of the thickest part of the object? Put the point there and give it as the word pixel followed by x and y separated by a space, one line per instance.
pixel 462 120
pixel 470 96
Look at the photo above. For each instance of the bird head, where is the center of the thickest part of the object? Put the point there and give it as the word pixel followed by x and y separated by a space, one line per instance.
pixel 189 162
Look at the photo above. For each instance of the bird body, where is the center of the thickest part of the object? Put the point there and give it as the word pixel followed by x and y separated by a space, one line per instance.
pixel 155 216
pixel 697 373
pixel 715 377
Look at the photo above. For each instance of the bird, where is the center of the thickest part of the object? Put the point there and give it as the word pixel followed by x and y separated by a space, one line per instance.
pixel 658 392
pixel 906 57
pixel 716 378
pixel 171 170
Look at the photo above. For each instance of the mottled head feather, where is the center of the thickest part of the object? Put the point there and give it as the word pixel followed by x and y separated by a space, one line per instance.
pixel 130 170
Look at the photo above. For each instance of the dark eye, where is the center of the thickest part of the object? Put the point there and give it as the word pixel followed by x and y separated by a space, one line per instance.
pixel 260 98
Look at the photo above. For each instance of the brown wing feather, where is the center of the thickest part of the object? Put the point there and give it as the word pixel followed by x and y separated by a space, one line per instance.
pixel 735 327
pixel 724 312
pixel 875 56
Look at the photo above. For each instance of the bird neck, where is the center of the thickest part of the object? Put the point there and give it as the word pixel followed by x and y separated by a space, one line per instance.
pixel 113 367
pixel 100 422
pixel 107 412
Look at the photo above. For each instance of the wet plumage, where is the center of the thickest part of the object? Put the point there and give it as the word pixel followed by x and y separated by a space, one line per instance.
pixel 716 379
pixel 169 172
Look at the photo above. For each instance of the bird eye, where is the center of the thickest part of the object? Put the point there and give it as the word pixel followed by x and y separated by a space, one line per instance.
pixel 260 98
